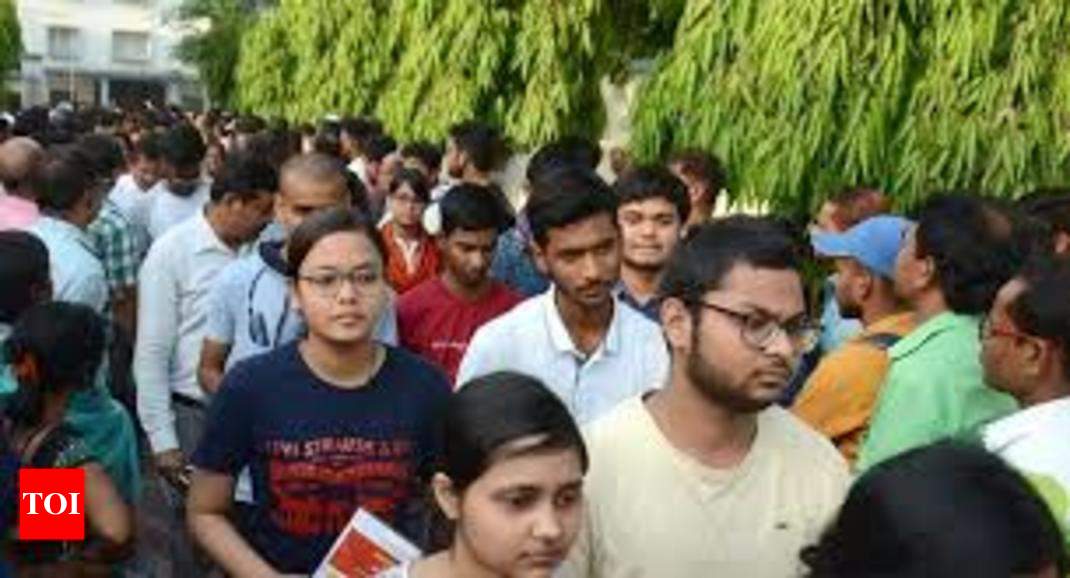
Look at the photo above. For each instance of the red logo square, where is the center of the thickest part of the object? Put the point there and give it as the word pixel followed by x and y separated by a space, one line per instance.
pixel 51 504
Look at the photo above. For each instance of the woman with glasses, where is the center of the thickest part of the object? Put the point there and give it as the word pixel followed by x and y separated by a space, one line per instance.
pixel 326 425
pixel 413 255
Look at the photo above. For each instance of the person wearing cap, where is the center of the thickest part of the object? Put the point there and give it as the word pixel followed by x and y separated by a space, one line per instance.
pixel 838 398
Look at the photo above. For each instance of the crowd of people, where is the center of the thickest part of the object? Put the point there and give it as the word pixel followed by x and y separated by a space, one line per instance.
pixel 248 331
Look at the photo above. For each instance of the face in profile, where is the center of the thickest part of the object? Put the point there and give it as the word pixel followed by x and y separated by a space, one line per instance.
pixel 251 215
pixel 521 517
pixel 650 230
pixel 1000 342
pixel 911 271
pixel 340 288
pixel 583 259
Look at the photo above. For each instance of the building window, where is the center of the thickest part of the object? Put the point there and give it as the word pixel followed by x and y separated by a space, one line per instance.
pixel 130 46
pixel 63 43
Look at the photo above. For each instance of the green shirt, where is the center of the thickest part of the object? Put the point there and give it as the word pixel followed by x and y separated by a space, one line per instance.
pixel 935 389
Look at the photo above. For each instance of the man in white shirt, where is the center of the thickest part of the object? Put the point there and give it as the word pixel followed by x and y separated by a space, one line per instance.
pixel 591 350
pixel 708 476
pixel 184 191
pixel 131 192
pixel 68 199
pixel 176 279
pixel 1025 352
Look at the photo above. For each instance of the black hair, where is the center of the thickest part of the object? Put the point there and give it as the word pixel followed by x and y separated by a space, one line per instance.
pixel 361 129
pixel 66 341
pixel 243 176
pixel 425 153
pixel 358 193
pixel 325 223
pixel 183 147
pixel 327 143
pixel 103 153
pixel 1051 205
pixel 943 510
pixel 489 414
pixel 1042 308
pixel 379 147
pixel 249 124
pixel 972 246
pixel 564 152
pixel 473 207
pixel 654 182
pixel 709 252
pixel 24 267
pixel 703 166
pixel 566 196
pixel 416 180
pixel 481 143
pixel 62 180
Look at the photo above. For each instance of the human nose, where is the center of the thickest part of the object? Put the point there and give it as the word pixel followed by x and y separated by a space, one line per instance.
pixel 547 526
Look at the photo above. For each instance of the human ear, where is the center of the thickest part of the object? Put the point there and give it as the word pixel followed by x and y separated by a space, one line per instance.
pixel 446 496
pixel 677 323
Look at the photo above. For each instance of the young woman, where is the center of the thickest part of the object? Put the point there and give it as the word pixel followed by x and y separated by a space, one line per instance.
pixel 326 425
pixel 413 255
pixel 55 350
pixel 945 510
pixel 510 482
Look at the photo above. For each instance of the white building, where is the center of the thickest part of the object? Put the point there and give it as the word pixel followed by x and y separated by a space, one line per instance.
pixel 103 52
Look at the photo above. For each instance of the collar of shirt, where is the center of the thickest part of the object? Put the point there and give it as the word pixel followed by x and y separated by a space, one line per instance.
pixel 1025 423
pixel 562 341
pixel 896 324
pixel 206 238
pixel 947 322
pixel 60 229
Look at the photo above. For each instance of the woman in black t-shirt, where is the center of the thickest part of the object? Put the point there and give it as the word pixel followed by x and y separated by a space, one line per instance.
pixel 327 425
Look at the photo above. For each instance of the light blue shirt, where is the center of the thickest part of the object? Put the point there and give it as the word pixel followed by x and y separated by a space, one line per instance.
pixel 76 272
pixel 532 339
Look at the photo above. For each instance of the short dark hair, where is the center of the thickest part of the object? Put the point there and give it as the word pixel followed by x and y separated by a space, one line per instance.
pixel 244 175
pixel 701 165
pixel 103 153
pixel 472 207
pixel 249 124
pixel 325 223
pixel 489 414
pixel 425 153
pixel 183 146
pixel 654 182
pixel 971 244
pixel 416 180
pixel 379 147
pixel 481 143
pixel 1042 308
pixel 361 128
pixel 24 266
pixel 949 509
pixel 709 252
pixel 149 146
pixel 62 180
pixel 566 196
pixel 1051 205
pixel 568 151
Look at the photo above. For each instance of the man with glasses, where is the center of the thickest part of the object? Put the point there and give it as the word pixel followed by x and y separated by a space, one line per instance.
pixel 708 477
pixel 1025 352
pixel 949 269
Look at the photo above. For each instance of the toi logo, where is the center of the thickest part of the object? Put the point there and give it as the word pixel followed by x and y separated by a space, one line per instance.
pixel 51 504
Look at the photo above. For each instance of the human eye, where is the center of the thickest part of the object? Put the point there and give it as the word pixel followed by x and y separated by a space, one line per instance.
pixel 366 278
pixel 519 499
pixel 568 498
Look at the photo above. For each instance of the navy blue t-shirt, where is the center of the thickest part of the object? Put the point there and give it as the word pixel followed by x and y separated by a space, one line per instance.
pixel 317 452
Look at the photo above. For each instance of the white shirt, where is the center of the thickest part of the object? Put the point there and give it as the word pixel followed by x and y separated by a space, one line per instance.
pixel 167 209
pixel 1034 442
pixel 656 511
pixel 175 281
pixel 76 271
pixel 132 200
pixel 533 339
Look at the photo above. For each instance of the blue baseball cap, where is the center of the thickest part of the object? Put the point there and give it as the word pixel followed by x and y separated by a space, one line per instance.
pixel 874 243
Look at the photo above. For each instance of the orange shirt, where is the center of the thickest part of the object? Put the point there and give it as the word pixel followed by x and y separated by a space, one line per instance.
pixel 839 396
pixel 407 267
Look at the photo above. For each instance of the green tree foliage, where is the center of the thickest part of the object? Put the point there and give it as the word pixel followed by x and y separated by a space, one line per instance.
pixel 214 51
pixel 801 98
pixel 10 37
pixel 266 69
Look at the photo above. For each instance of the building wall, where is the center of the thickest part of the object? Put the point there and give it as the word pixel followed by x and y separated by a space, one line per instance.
pixel 97 59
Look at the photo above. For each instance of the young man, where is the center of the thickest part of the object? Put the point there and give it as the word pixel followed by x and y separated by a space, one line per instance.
pixel 176 279
pixel 19 159
pixel 577 338
pixel 653 209
pixel 473 151
pixel 705 179
pixel 438 318
pixel 839 396
pixel 708 477
pixel 355 134
pixel 183 191
pixel 249 309
pixel 131 192
pixel 1025 351
pixel 69 202
pixel 949 269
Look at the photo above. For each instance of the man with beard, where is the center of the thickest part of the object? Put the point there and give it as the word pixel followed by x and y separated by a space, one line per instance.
pixel 839 396
pixel 576 337
pixel 707 477
pixel 653 209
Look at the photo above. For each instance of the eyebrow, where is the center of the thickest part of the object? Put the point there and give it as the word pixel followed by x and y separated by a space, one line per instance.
pixel 335 269
pixel 770 314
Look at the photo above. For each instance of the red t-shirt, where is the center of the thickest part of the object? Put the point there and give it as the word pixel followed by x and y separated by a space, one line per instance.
pixel 438 325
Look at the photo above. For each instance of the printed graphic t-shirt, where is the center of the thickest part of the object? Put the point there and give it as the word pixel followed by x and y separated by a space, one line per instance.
pixel 317 452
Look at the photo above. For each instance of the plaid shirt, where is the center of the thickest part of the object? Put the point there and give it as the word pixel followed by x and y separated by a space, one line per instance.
pixel 118 246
